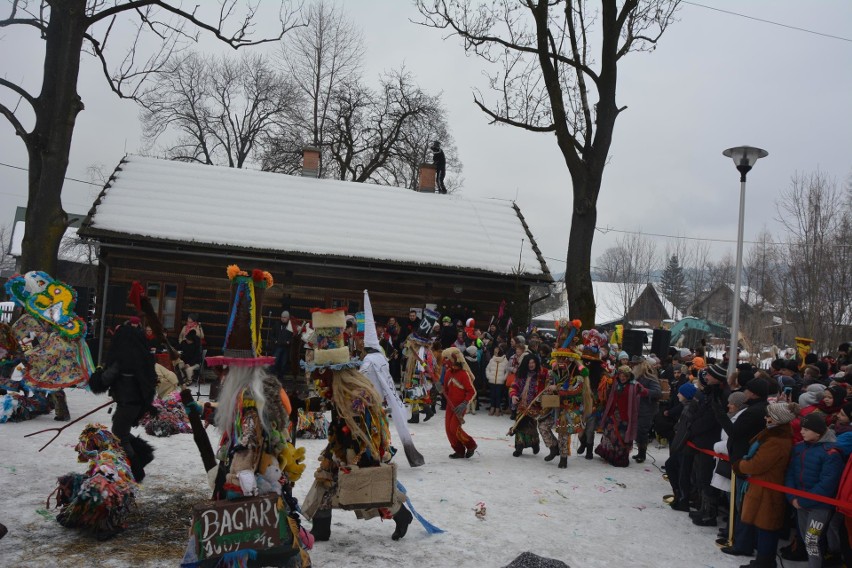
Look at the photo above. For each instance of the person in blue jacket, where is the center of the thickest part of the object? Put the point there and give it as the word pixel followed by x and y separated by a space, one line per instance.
pixel 815 466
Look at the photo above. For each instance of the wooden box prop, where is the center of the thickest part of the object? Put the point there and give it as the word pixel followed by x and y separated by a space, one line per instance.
pixel 366 487
pixel 550 401
pixel 253 523
pixel 330 348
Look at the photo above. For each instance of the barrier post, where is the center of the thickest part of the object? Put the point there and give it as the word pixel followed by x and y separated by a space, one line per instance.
pixel 733 506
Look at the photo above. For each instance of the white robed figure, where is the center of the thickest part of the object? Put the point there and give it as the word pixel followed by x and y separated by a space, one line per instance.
pixel 375 368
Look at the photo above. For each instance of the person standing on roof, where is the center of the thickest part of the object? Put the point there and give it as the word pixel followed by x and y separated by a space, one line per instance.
pixel 440 162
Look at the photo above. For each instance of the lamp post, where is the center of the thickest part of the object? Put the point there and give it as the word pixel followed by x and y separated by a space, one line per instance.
pixel 744 158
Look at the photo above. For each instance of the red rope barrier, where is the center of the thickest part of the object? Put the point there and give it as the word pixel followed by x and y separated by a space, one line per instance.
pixel 845 505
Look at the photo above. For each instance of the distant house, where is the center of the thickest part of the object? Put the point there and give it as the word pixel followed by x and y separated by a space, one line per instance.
pixel 642 305
pixel 174 227
pixel 760 320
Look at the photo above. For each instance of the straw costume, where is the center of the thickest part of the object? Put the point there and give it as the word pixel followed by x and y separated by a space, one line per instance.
pixel 358 437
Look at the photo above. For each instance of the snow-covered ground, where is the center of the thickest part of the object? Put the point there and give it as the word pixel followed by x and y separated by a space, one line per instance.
pixel 588 515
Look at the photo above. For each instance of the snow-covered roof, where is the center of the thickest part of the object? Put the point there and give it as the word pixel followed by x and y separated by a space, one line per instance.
pixel 71 248
pixel 204 205
pixel 609 303
pixel 669 306
pixel 610 298
pixel 751 297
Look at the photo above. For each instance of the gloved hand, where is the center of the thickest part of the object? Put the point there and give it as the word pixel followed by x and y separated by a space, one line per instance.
pixel 460 409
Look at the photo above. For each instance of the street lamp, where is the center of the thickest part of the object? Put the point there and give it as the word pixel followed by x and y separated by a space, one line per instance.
pixel 744 158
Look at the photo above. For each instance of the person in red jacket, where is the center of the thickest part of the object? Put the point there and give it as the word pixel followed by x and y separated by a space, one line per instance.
pixel 459 391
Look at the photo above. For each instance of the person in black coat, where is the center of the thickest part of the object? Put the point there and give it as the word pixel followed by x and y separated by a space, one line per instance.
pixel 704 433
pixel 132 385
pixel 440 162
pixel 190 353
pixel 282 340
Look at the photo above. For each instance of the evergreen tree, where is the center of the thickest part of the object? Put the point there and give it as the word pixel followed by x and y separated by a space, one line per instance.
pixel 673 282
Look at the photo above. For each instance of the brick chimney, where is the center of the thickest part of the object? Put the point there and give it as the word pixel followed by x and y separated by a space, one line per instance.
pixel 310 161
pixel 426 183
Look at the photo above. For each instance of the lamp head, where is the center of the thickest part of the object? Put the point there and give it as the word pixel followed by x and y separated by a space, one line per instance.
pixel 744 158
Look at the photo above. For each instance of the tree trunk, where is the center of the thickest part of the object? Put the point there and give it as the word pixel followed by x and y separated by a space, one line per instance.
pixel 50 143
pixel 578 278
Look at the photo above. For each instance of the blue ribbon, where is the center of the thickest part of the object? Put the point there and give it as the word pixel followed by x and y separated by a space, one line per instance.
pixel 430 528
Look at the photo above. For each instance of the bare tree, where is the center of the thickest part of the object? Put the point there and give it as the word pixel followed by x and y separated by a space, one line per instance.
pixel 7 261
pixel 320 58
pixel 70 28
pixel 629 264
pixel 760 277
pixel 697 273
pixel 220 107
pixel 368 138
pixel 816 282
pixel 557 71
pixel 413 149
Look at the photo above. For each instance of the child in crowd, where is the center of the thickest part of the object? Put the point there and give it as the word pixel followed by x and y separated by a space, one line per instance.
pixel 815 466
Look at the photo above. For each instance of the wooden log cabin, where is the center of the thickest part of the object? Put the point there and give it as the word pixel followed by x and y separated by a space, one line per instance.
pixel 175 226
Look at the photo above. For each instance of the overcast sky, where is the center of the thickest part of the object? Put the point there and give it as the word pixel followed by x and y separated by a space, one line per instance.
pixel 715 81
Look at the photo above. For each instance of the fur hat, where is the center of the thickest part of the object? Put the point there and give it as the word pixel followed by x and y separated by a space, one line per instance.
pixel 815 422
pixel 782 412
pixel 688 390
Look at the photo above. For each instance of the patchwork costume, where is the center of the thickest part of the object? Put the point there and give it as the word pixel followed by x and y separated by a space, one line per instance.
pixel 51 337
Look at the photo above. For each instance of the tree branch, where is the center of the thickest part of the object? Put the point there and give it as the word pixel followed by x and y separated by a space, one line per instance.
pixel 19 128
pixel 21 91
pixel 237 40
pixel 505 120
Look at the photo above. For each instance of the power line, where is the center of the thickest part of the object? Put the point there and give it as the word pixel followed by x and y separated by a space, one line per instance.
pixel 67 178
pixel 769 22
pixel 605 230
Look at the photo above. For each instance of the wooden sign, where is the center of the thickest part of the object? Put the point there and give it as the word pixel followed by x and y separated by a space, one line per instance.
pixel 249 523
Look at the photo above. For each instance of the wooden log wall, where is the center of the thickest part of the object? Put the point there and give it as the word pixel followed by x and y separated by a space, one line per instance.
pixel 204 289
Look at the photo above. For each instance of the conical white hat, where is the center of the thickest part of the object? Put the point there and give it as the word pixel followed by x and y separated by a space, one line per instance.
pixel 370 338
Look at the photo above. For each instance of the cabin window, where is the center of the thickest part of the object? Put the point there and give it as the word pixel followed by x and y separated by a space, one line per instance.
pixel 164 298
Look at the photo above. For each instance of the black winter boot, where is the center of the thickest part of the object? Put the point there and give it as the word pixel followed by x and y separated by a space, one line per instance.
pixel 518 451
pixel 640 456
pixel 415 417
pixel 583 445
pixel 322 525
pixel 554 451
pixel 563 463
pixel 590 452
pixel 402 518
pixel 430 412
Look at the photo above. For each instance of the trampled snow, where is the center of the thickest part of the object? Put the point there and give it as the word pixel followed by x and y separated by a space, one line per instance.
pixel 589 515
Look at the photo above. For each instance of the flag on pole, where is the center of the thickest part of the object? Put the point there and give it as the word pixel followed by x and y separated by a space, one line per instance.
pixel 509 324
pixel 501 310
